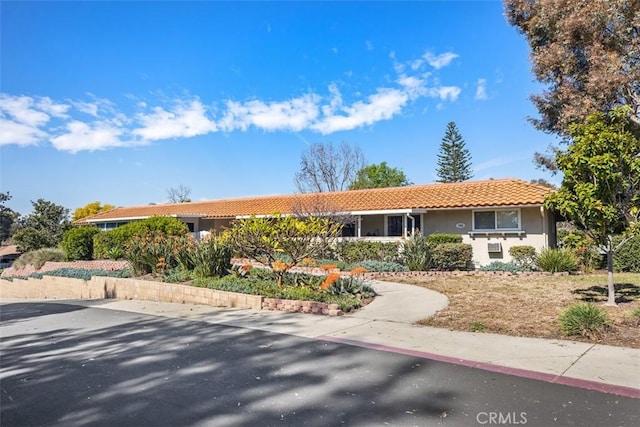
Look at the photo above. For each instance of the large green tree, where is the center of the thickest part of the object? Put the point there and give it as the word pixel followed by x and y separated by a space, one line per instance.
pixel 600 191
pixel 42 228
pixel 586 53
pixel 454 159
pixel 379 176
pixel 7 217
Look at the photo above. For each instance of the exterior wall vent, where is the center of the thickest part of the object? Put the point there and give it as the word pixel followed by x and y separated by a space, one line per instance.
pixel 494 247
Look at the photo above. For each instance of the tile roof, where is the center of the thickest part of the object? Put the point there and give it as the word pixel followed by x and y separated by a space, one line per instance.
pixel 469 194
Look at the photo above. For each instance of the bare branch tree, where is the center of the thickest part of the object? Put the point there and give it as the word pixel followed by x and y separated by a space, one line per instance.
pixel 324 167
pixel 179 194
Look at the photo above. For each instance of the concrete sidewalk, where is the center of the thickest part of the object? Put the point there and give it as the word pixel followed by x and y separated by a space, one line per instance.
pixel 387 324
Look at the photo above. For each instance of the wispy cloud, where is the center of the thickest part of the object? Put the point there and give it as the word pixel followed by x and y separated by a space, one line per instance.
pixel 435 61
pixel 97 123
pixel 481 90
pixel 368 45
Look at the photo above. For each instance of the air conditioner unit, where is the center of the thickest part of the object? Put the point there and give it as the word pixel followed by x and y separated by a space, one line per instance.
pixel 494 247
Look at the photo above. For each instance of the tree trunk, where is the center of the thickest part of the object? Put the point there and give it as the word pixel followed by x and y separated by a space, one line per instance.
pixel 611 290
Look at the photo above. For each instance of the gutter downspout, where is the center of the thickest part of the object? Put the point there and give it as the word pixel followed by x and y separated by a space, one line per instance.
pixel 413 224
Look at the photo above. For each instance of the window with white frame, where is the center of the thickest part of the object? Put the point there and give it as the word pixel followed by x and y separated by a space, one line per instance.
pixel 498 219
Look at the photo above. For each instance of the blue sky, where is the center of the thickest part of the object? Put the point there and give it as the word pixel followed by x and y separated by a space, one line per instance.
pixel 119 101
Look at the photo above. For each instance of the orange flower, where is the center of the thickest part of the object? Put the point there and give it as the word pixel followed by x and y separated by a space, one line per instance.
pixel 278 265
pixel 328 267
pixel 246 267
pixel 309 261
pixel 332 277
pixel 358 270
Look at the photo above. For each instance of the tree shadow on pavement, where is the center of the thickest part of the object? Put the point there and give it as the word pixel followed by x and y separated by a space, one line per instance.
pixel 95 367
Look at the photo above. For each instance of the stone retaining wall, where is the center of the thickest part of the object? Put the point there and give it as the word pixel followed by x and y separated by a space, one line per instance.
pixel 296 306
pixel 51 287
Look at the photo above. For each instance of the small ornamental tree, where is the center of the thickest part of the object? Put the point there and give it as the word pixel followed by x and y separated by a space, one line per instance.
pixel 600 192
pixel 282 237
pixel 454 160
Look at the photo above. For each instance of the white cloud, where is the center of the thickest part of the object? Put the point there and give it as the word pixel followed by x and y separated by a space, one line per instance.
pixel 82 136
pixel 90 108
pixel 186 119
pixel 21 109
pixel 334 49
pixel 439 61
pixel 12 132
pixel 48 106
pixel 382 105
pixel 293 115
pixel 445 93
pixel 481 90
pixel 368 45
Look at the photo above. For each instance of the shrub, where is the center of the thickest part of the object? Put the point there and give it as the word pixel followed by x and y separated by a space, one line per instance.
pixel 155 252
pixel 416 253
pixel 177 275
pixel 627 258
pixel 210 257
pixel 557 260
pixel 381 266
pixel 38 258
pixel 360 250
pixel 451 256
pixel 439 238
pixel 583 319
pixel 77 243
pixel 118 238
pixel 524 256
pixel 510 267
pixel 583 247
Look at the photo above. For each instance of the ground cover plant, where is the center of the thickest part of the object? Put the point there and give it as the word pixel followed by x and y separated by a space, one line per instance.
pixel 349 291
pixel 530 306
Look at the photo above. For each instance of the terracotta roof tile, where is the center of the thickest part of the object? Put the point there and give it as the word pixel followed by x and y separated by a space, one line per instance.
pixel 490 193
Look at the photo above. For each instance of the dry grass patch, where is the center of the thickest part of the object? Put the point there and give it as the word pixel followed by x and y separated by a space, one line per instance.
pixel 529 306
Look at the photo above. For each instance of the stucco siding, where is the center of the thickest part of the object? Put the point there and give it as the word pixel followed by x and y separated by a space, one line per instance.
pixel 537 228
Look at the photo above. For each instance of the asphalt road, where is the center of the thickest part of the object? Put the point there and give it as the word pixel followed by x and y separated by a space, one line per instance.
pixel 68 365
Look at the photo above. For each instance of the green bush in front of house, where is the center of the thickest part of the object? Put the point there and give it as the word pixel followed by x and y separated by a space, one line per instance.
pixel 557 260
pixel 108 243
pixel 416 252
pixel 39 257
pixel 627 258
pixel 439 238
pixel 77 243
pixel 524 256
pixel 360 250
pixel 584 319
pixel 451 256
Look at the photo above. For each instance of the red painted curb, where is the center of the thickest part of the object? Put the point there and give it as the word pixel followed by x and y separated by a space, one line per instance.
pixel 540 376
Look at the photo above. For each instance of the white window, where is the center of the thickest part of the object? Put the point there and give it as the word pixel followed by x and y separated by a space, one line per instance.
pixel 502 219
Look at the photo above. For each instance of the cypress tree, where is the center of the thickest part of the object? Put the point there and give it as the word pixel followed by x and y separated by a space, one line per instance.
pixel 454 160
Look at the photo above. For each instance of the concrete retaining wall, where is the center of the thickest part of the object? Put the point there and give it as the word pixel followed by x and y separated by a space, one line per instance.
pixel 51 287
